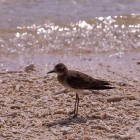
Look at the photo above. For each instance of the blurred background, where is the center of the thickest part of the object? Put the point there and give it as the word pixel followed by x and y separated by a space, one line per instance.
pixel 49 31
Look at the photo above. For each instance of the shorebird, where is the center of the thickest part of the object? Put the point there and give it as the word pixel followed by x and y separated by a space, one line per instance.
pixel 77 81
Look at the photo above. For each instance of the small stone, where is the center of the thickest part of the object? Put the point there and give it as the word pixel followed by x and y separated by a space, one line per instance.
pixel 138 128
pixel 102 127
pixel 44 99
pixel 54 131
pixel 29 68
pixel 136 103
pixel 14 130
pixel 60 111
pixel 60 91
pixel 65 130
pixel 94 103
pixel 121 137
pixel 18 87
pixel 112 108
pixel 15 107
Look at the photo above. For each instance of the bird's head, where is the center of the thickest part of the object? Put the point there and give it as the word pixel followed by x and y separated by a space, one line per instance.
pixel 59 69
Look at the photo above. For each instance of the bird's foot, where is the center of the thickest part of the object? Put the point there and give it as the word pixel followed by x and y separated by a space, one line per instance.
pixel 73 114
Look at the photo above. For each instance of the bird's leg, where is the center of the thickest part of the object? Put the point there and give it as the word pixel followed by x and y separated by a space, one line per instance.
pixel 75 106
pixel 75 112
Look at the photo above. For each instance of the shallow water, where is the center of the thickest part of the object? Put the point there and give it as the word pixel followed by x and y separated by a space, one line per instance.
pixel 38 30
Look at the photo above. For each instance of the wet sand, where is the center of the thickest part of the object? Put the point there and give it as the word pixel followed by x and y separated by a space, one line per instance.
pixel 31 107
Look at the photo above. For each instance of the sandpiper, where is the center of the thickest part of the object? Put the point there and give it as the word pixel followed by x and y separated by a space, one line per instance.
pixel 77 81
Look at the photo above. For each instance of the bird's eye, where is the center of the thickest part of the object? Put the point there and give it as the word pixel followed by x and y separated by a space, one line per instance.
pixel 60 68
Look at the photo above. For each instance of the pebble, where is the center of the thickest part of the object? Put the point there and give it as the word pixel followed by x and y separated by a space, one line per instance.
pixel 136 103
pixel 45 99
pixel 60 111
pixel 15 107
pixel 18 87
pixel 65 130
pixel 120 137
pixel 112 108
pixel 102 127
pixel 54 131
pixel 14 130
pixel 138 128
pixel 29 68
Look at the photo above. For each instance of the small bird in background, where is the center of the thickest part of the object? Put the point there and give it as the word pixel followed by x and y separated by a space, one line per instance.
pixel 77 81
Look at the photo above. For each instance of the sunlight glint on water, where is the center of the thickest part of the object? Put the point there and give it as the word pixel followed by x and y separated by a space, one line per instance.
pixel 100 35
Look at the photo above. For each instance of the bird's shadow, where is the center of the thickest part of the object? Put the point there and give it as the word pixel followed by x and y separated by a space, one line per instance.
pixel 69 121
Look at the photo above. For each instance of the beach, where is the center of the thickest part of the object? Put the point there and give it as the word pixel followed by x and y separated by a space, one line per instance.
pixel 99 38
pixel 32 106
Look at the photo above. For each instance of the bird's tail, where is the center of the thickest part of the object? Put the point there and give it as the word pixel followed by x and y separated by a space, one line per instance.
pixel 104 87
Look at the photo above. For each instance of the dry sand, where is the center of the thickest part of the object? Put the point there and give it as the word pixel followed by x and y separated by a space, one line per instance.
pixel 30 109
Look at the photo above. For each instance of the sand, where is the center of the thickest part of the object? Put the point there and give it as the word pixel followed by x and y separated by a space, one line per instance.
pixel 31 108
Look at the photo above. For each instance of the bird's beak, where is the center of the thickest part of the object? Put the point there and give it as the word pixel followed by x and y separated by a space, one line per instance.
pixel 52 71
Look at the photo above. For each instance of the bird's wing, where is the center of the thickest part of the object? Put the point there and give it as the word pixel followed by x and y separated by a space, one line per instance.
pixel 80 80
